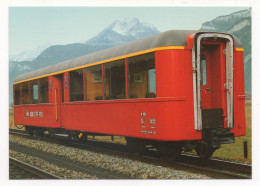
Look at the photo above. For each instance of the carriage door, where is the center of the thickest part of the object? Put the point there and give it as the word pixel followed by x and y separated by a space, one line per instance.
pixel 59 98
pixel 213 81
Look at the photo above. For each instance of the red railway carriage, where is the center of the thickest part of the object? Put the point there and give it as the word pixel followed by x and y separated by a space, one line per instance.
pixel 174 90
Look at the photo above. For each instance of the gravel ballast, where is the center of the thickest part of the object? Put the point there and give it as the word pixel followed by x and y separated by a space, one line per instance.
pixel 51 168
pixel 135 169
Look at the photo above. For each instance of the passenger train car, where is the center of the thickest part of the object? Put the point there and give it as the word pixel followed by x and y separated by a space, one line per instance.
pixel 178 90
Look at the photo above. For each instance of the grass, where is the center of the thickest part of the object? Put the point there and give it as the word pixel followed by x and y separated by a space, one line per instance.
pixel 117 139
pixel 235 150
pixel 228 151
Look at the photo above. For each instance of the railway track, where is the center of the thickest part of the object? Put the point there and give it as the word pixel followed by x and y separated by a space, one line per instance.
pixel 214 168
pixel 33 171
pixel 66 163
pixel 221 167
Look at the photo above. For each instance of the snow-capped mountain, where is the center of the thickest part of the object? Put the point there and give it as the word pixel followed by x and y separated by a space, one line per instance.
pixel 122 31
pixel 29 55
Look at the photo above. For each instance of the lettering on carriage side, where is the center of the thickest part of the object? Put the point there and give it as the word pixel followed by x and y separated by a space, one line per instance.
pixel 41 114
pixel 32 114
pixel 26 113
pixel 36 114
pixel 143 120
pixel 150 132
pixel 148 125
pixel 152 121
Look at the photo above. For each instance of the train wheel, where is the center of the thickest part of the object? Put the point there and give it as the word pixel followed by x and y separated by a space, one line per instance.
pixel 135 146
pixel 51 133
pixel 170 151
pixel 39 133
pixel 30 131
pixel 73 136
pixel 204 151
pixel 36 133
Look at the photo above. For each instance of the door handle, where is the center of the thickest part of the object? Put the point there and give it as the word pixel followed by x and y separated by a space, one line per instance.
pixel 207 90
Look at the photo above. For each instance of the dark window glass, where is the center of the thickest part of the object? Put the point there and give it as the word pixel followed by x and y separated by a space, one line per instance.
pixel 43 90
pixel 115 80
pixel 25 93
pixel 141 76
pixel 93 83
pixel 76 85
pixel 17 94
pixel 33 91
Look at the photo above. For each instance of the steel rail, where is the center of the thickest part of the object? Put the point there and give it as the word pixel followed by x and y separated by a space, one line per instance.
pixel 18 132
pixel 34 170
pixel 223 165
pixel 215 168
pixel 218 169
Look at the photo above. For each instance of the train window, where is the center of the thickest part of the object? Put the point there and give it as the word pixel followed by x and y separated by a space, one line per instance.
pixel 203 70
pixel 115 80
pixel 141 76
pixel 16 94
pixel 76 85
pixel 93 83
pixel 43 90
pixel 33 91
pixel 25 93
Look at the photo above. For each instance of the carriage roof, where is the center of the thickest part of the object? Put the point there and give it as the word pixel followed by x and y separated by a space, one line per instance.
pixel 168 38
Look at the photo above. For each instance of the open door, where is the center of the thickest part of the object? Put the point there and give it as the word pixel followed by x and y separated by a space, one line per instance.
pixel 213 81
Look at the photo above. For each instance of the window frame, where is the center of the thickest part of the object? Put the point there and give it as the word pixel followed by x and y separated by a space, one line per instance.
pixel 14 94
pixel 39 90
pixel 131 77
pixel 25 101
pixel 70 87
pixel 108 66
pixel 32 93
pixel 95 69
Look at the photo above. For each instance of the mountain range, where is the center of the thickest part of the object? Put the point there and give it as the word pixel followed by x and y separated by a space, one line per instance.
pixel 123 31
pixel 239 25
pixel 29 55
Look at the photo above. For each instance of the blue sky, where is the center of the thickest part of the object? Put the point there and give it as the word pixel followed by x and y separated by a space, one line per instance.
pixel 30 27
